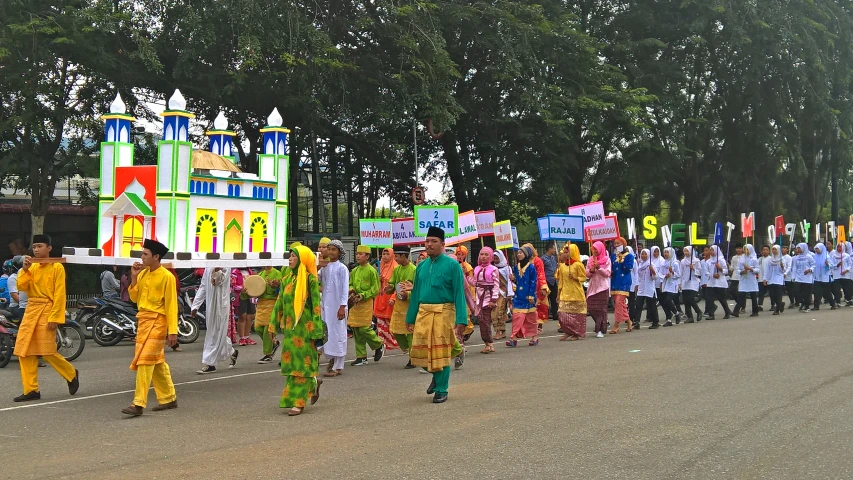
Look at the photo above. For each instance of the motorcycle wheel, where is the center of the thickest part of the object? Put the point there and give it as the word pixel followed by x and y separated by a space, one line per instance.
pixel 70 341
pixel 105 335
pixel 188 330
pixel 6 349
pixel 86 319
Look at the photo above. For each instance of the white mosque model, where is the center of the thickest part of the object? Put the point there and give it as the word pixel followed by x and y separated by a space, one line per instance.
pixel 197 203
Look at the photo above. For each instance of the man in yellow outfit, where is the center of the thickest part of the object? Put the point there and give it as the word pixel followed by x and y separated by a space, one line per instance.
pixel 44 284
pixel 153 289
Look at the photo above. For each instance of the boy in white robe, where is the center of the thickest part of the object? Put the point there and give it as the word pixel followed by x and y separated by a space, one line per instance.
pixel 333 306
pixel 215 291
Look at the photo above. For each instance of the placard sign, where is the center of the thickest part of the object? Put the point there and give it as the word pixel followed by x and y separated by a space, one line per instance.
pixel 609 231
pixel 503 234
pixel 467 229
pixel 566 227
pixel 445 217
pixel 592 213
pixel 515 244
pixel 544 228
pixel 403 232
pixel 375 232
pixel 485 223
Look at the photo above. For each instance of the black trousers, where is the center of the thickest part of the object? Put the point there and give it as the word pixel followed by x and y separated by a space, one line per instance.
pixel 847 286
pixel 690 304
pixel 668 304
pixel 762 292
pixel 775 294
pixel 837 291
pixel 632 312
pixel 719 294
pixel 823 290
pixel 552 299
pixel 651 308
pixel 741 301
pixel 804 294
pixel 708 296
pixel 791 290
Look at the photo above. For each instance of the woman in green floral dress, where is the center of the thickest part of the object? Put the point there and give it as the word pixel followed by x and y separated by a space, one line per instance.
pixel 297 316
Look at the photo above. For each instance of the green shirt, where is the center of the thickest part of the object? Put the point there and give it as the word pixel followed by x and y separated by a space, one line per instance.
pixel 269 276
pixel 364 281
pixel 402 274
pixel 436 282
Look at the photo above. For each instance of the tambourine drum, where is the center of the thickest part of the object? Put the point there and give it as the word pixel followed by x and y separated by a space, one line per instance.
pixel 254 285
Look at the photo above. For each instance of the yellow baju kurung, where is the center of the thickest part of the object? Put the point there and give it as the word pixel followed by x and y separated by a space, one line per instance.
pixel 156 297
pixel 44 284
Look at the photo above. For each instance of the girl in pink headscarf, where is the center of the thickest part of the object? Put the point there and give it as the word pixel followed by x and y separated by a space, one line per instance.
pixel 487 282
pixel 598 292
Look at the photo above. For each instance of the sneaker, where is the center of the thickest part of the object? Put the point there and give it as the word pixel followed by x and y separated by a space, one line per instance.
pixel 233 359
pixel 753 314
pixel 359 362
pixel 409 365
pixel 275 347
pixel 377 355
pixel 807 310
pixel 242 342
pixel 677 318
pixel 653 326
pixel 74 384
pixel 249 341
pixel 265 359
pixel 206 369
pixel 599 335
pixel 834 307
pixel 667 324
pixel 459 360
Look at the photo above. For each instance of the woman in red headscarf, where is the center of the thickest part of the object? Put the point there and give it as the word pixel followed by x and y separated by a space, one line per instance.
pixel 383 305
pixel 542 290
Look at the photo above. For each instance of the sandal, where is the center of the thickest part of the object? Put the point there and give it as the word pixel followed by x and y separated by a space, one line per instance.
pixel 485 349
pixel 533 343
pixel 574 337
pixel 511 343
pixel 565 337
pixel 316 395
pixel 491 348
pixel 294 412
pixel 331 373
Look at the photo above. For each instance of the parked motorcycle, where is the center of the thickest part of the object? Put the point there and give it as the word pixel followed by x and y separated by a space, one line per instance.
pixel 86 309
pixel 116 320
pixel 70 339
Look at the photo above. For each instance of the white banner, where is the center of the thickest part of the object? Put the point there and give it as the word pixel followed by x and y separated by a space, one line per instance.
pixel 485 223
pixel 503 234
pixel 467 229
pixel 565 227
pixel 375 232
pixel 592 213
pixel 609 231
pixel 403 232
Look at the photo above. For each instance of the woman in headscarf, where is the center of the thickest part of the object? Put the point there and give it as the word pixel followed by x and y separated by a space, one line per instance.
pixel 383 305
pixel 646 292
pixel 670 271
pixel 598 292
pixel 486 280
pixel 847 275
pixel 297 316
pixel 570 277
pixel 803 267
pixel 505 293
pixel 774 278
pixel 658 262
pixel 620 283
pixel 717 271
pixel 746 271
pixel 542 291
pixel 822 288
pixel 634 308
pixel 691 275
pixel 838 261
pixel 524 302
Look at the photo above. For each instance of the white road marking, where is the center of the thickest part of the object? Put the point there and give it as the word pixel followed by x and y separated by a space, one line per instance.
pixel 204 380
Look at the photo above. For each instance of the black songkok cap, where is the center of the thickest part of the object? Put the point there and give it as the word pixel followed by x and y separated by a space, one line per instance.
pixel 435 232
pixel 156 247
pixel 45 239
pixel 402 250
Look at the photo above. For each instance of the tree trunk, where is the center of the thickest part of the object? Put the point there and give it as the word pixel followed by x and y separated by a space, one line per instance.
pixel 454 170
pixel 348 170
pixel 37 224
pixel 333 173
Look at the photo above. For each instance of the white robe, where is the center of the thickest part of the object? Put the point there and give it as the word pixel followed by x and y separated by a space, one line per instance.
pixel 335 280
pixel 216 293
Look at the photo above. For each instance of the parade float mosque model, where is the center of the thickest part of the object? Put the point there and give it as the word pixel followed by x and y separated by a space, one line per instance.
pixel 197 203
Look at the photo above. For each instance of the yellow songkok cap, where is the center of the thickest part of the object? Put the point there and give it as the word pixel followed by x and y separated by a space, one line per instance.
pixel 325 241
pixel 363 249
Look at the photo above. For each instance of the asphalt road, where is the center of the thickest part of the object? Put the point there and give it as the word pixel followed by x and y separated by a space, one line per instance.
pixel 749 398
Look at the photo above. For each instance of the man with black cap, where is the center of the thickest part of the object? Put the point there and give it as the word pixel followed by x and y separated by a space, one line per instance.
pixel 44 284
pixel 404 273
pixel 437 312
pixel 153 289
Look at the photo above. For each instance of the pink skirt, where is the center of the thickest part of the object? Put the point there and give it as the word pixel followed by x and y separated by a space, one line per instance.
pixel 620 308
pixel 524 325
